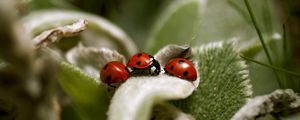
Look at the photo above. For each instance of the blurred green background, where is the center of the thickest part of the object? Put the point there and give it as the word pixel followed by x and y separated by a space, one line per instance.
pixel 221 20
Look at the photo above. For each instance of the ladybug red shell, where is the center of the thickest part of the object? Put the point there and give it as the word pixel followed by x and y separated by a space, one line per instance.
pixel 140 60
pixel 144 64
pixel 114 72
pixel 181 68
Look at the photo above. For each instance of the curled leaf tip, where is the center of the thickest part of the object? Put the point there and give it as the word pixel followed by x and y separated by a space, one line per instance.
pixel 55 34
pixel 172 51
pixel 98 31
pixel 165 54
pixel 91 59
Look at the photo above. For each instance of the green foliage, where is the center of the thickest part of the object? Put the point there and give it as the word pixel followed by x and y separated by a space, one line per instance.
pixel 90 98
pixel 137 17
pixel 271 67
pixel 224 85
pixel 178 24
pixel 68 113
pixel 221 21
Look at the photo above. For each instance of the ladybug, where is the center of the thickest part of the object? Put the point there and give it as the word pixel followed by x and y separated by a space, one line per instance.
pixel 181 68
pixel 143 64
pixel 114 72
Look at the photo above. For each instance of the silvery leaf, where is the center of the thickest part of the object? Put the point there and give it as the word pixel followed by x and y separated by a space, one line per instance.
pixel 134 99
pixel 274 103
pixel 91 60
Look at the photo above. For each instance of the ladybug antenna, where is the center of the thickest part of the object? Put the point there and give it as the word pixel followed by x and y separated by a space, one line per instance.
pixel 187 52
pixel 192 40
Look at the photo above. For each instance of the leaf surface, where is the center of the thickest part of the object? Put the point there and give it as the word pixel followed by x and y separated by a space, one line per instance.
pixel 136 97
pixel 224 85
pixel 90 98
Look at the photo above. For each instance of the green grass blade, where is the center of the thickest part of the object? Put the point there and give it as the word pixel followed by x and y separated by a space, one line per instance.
pixel 259 33
pixel 285 43
pixel 271 66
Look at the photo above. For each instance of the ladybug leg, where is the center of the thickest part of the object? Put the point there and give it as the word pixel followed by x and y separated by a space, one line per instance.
pixel 165 71
pixel 111 86
pixel 130 70
pixel 151 71
pixel 156 66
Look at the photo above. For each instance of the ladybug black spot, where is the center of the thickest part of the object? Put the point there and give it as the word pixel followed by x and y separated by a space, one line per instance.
pixel 185 73
pixel 139 55
pixel 108 78
pixel 180 61
pixel 172 67
pixel 105 66
pixel 138 63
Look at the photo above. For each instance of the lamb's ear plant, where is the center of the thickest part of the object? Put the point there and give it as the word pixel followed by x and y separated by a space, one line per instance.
pixel 221 91
pixel 91 59
pixel 224 85
pixel 279 102
pixel 89 97
pixel 98 31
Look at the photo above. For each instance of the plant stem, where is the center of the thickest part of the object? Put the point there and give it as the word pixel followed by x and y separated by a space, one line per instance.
pixel 285 44
pixel 262 40
pixel 270 66
pixel 285 52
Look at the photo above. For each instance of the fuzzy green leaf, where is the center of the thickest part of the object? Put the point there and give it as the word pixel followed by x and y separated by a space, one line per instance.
pixel 178 24
pixel 90 98
pixel 224 86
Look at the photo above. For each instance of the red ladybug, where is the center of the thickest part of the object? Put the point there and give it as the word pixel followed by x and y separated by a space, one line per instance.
pixel 143 64
pixel 181 68
pixel 114 72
